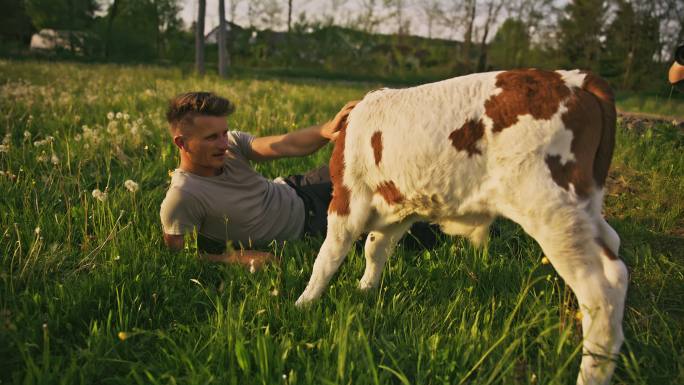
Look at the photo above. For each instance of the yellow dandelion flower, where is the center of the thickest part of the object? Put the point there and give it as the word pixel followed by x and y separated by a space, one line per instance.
pixel 545 261
pixel 123 336
pixel 579 315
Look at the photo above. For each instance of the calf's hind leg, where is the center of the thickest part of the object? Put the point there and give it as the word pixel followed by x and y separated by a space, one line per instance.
pixel 379 245
pixel 570 239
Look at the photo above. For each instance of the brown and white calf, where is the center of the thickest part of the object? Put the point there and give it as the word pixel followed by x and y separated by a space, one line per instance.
pixel 533 146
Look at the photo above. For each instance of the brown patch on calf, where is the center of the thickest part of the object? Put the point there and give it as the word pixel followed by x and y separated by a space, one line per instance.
pixel 339 203
pixel 525 91
pixel 583 118
pixel 376 143
pixel 601 90
pixel 466 137
pixel 389 192
pixel 606 250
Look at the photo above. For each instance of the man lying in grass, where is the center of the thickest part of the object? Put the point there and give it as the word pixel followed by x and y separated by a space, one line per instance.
pixel 216 192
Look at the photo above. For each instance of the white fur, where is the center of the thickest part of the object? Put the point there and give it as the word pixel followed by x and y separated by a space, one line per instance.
pixel 463 193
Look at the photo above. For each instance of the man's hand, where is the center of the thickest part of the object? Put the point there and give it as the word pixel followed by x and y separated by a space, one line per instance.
pixel 252 259
pixel 332 128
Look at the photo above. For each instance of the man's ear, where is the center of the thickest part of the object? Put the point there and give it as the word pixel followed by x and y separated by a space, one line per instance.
pixel 179 141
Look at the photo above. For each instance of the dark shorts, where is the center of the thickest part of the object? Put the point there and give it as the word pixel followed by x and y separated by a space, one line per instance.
pixel 315 189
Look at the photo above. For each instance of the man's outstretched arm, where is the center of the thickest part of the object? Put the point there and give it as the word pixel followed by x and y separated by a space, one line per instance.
pixel 301 142
pixel 250 258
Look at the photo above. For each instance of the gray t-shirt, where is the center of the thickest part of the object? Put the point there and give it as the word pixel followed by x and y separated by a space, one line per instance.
pixel 238 205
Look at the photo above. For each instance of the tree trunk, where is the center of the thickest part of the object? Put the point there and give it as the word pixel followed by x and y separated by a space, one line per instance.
pixel 199 37
pixel 289 15
pixel 223 54
pixel 467 39
pixel 110 23
pixel 492 13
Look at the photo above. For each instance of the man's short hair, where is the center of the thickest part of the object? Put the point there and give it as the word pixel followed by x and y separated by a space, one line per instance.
pixel 185 107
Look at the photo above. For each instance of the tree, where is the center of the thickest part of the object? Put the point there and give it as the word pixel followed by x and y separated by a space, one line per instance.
pixel 581 31
pixel 493 8
pixel 15 25
pixel 471 11
pixel 632 41
pixel 510 45
pixel 367 18
pixel 140 29
pixel 111 15
pixel 221 41
pixel 199 37
pixel 433 12
pixel 73 15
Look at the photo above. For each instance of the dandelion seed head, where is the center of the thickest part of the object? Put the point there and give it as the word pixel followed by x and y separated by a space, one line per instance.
pixel 126 116
pixel 54 159
pixel 131 186
pixel 110 115
pixel 27 134
pixel 119 115
pixel 99 195
pixel 7 138
pixel 4 147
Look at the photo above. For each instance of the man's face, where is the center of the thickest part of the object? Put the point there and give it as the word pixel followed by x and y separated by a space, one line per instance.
pixel 205 144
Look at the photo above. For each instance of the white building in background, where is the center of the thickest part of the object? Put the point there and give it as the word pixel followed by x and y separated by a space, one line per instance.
pixel 50 39
pixel 212 36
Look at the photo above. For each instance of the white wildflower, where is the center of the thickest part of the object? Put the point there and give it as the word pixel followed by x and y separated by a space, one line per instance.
pixel 99 195
pixel 4 147
pixel 110 115
pixel 119 115
pixel 54 159
pixel 131 186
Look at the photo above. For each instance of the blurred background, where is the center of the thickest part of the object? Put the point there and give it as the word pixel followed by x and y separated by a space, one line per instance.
pixel 630 43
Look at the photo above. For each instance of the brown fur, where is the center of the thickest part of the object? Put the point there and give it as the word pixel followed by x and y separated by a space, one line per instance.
pixel 389 192
pixel 581 119
pixel 376 143
pixel 339 203
pixel 525 91
pixel 466 137
pixel 601 90
pixel 591 118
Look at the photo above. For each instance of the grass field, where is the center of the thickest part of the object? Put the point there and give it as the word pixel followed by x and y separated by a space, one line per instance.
pixel 89 295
